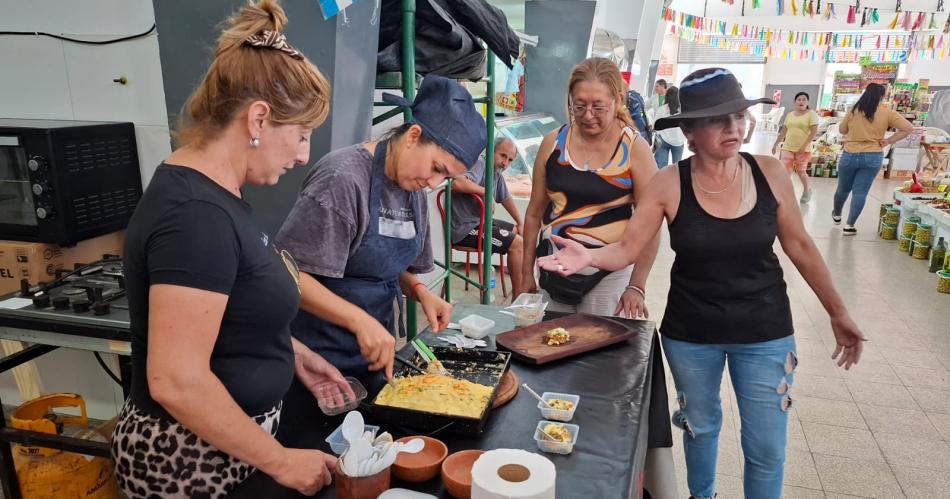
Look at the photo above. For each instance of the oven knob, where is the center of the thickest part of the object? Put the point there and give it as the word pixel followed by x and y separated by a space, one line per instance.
pixel 61 303
pixel 36 163
pixel 80 306
pixel 100 308
pixel 41 188
pixel 41 301
pixel 43 212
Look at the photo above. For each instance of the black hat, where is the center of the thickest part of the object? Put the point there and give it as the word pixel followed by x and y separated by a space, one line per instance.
pixel 709 92
pixel 446 112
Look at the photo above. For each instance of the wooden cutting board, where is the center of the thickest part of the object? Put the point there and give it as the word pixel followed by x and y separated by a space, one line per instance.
pixel 588 332
pixel 507 389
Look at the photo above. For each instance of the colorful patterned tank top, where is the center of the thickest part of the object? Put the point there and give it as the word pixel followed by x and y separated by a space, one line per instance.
pixel 590 207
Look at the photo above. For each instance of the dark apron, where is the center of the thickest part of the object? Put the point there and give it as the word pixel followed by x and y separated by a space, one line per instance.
pixel 371 282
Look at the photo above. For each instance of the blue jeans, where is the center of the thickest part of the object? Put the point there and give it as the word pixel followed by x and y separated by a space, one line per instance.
pixel 762 375
pixel 856 173
pixel 664 151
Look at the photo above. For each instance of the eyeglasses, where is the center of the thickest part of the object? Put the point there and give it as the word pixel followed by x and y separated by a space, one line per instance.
pixel 578 110
pixel 722 121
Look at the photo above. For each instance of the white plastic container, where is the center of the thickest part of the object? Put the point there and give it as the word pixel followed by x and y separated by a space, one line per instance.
pixel 338 444
pixel 558 414
pixel 547 445
pixel 476 326
pixel 527 309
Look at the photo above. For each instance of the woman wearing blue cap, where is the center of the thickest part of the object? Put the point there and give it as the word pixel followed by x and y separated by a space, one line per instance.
pixel 360 227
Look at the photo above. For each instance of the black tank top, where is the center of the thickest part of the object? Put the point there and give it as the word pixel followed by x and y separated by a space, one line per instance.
pixel 726 285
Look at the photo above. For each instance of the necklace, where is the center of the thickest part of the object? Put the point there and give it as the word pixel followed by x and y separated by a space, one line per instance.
pixel 735 175
pixel 586 167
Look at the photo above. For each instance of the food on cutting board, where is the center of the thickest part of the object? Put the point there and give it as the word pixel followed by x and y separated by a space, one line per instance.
pixel 436 394
pixel 558 432
pixel 561 405
pixel 557 336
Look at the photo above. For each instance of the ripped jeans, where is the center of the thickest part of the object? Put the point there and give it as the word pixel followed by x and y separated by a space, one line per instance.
pixel 762 375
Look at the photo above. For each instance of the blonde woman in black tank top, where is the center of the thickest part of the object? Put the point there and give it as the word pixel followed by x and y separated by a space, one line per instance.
pixel 728 300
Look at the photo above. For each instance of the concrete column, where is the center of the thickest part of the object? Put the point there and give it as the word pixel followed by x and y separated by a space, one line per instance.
pixel 646 35
pixel 343 47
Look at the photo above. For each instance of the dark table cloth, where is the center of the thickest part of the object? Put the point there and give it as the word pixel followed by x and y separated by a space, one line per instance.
pixel 622 412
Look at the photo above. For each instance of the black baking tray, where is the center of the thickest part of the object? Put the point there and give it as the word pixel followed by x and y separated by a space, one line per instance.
pixel 485 367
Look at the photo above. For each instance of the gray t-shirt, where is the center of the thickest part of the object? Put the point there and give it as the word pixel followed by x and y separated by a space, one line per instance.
pixel 331 215
pixel 466 212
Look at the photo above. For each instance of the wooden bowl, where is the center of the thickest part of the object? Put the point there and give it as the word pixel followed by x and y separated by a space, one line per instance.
pixel 457 473
pixel 423 465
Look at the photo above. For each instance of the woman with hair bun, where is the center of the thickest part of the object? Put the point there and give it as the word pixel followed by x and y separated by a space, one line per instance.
pixel 210 296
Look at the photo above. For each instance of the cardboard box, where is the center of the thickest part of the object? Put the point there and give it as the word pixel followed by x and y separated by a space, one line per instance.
pixel 37 262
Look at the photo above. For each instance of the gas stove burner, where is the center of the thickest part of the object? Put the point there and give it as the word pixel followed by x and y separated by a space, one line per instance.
pixel 71 291
pixel 112 269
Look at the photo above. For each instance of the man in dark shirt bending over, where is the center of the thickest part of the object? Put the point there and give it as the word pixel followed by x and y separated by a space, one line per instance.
pixel 466 212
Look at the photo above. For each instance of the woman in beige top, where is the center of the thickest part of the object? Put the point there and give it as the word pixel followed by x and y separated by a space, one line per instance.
pixel 863 128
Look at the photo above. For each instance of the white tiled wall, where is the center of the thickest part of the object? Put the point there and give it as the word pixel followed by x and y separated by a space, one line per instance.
pixel 42 77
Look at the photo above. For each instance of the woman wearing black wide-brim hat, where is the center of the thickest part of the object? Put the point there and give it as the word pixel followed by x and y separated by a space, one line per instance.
pixel 728 299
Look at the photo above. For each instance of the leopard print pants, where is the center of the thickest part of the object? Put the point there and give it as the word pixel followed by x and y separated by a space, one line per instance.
pixel 158 458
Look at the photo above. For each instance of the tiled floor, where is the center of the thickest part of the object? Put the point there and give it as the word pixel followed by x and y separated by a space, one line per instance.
pixel 881 429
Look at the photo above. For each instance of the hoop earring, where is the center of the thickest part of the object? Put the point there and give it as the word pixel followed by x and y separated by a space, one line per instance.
pixel 255 143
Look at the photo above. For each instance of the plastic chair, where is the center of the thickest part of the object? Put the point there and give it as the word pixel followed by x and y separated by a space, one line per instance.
pixel 469 250
pixel 771 121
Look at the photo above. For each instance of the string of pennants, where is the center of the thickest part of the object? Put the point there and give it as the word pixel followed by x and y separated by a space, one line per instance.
pixel 907 20
pixel 806 45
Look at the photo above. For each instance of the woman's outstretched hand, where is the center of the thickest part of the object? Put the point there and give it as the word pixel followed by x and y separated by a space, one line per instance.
pixel 571 257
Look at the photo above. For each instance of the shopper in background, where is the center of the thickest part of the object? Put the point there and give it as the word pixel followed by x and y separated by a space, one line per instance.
pixel 656 100
pixel 210 296
pixel 796 136
pixel 360 228
pixel 638 113
pixel 588 176
pixel 467 212
pixel 863 128
pixel 669 142
pixel 728 299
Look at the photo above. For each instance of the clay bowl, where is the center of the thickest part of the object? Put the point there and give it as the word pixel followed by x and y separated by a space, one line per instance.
pixel 457 473
pixel 423 465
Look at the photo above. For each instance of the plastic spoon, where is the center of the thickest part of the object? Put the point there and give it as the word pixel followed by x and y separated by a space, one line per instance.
pixel 532 392
pixel 353 427
pixel 413 446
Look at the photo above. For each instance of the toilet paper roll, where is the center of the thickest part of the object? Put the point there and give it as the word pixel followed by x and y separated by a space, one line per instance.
pixel 513 474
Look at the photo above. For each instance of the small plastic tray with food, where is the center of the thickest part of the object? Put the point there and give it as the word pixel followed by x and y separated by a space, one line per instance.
pixel 334 399
pixel 564 437
pixel 527 309
pixel 562 406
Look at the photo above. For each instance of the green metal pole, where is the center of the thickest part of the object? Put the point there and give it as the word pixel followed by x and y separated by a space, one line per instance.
pixel 408 53
pixel 447 231
pixel 489 177
pixel 408 8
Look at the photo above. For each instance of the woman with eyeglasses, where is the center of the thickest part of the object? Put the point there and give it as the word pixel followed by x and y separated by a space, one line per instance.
pixel 728 299
pixel 588 177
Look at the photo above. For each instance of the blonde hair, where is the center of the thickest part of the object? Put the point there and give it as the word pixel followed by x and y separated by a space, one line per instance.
pixel 606 72
pixel 295 90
